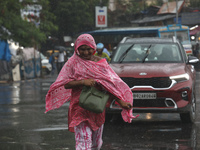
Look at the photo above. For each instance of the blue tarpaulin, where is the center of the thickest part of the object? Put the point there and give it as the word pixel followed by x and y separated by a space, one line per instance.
pixel 4 51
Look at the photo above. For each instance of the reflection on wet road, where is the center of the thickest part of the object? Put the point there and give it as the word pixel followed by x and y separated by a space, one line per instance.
pixel 25 126
pixel 153 134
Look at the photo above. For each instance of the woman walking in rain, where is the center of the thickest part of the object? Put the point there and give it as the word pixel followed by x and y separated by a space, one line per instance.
pixel 85 69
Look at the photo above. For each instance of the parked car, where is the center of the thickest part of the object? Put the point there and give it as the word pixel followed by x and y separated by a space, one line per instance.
pixel 46 66
pixel 160 75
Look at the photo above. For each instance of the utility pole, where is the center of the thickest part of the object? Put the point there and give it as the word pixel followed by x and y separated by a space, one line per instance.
pixel 101 3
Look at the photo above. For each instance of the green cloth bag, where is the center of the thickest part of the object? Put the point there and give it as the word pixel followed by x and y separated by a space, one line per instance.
pixel 93 99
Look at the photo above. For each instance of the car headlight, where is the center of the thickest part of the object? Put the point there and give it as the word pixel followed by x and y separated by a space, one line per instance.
pixel 180 78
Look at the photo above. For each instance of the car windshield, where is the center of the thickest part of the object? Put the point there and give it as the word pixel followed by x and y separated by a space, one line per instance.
pixel 151 53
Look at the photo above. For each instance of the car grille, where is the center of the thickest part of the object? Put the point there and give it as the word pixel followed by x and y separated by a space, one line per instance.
pixel 156 82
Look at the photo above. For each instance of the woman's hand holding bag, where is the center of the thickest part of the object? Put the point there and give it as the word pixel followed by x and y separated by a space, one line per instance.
pixel 93 99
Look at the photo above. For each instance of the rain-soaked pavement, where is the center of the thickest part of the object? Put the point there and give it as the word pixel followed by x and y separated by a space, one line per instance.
pixel 25 126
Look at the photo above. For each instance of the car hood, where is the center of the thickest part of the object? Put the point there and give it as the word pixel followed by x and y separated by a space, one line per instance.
pixel 141 70
pixel 45 61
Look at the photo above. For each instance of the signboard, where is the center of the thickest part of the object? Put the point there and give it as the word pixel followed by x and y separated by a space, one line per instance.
pixel 101 16
pixel 174 27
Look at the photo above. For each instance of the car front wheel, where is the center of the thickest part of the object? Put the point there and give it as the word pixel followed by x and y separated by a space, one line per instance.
pixel 190 116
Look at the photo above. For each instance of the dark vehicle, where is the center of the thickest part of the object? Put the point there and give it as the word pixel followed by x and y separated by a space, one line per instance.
pixel 160 75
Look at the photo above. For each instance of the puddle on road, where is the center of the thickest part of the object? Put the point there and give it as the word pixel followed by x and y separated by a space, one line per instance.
pixel 150 135
pixel 50 129
pixel 166 130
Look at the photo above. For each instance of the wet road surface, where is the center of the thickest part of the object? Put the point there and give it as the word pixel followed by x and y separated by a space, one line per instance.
pixel 25 126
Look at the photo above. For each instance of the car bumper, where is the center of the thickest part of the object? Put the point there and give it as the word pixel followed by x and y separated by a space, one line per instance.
pixel 118 109
pixel 48 67
pixel 177 99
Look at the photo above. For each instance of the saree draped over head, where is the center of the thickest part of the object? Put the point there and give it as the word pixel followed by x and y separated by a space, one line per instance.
pixel 77 68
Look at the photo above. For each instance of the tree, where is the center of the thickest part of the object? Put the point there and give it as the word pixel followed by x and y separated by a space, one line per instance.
pixel 74 16
pixel 26 33
pixel 125 12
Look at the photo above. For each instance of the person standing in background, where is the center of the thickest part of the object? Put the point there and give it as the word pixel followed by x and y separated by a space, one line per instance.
pixel 61 60
pixel 53 62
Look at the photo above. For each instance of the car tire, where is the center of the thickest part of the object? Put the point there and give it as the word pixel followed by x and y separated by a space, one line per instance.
pixel 190 116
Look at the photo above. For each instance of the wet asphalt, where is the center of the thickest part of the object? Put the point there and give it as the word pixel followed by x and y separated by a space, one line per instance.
pixel 25 126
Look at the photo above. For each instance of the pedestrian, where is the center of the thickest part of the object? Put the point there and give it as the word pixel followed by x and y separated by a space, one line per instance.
pixel 60 60
pixel 102 52
pixel 86 69
pixel 53 62
pixel 101 46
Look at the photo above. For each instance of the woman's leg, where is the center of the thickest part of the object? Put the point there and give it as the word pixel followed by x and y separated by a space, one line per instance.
pixel 97 138
pixel 83 136
pixel 86 138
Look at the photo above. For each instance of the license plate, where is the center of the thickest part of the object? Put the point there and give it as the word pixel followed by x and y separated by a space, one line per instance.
pixel 144 95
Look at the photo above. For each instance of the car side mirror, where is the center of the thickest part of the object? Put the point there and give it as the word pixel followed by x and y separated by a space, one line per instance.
pixel 192 60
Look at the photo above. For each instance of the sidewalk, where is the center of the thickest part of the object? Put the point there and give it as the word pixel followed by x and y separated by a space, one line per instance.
pixel 46 77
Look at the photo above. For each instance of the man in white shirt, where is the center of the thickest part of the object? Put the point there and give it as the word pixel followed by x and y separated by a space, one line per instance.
pixel 61 60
